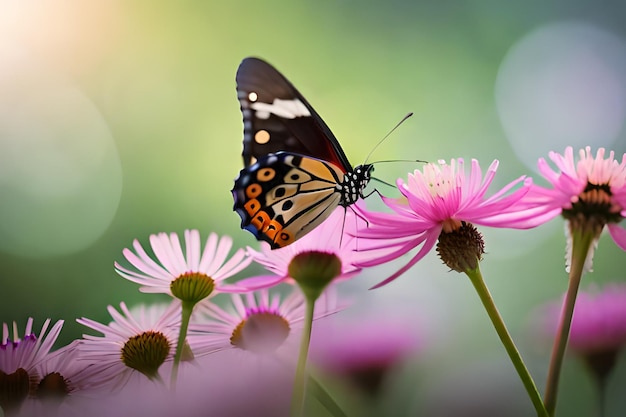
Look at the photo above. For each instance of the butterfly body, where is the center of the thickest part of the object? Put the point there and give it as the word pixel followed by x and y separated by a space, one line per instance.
pixel 295 172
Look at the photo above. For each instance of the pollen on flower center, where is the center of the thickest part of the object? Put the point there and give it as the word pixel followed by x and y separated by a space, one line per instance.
pixel 450 225
pixel 594 207
pixel 260 332
pixel 599 197
pixel 192 287
pixel 146 352
pixel 441 179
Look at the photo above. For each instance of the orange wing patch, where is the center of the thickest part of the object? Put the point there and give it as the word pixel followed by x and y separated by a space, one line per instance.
pixel 285 196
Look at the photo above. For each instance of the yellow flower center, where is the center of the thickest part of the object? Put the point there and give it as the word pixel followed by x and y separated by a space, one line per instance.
pixel 192 287
pixel 146 352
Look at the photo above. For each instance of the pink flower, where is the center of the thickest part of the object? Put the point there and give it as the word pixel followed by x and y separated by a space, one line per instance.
pixel 598 328
pixel 599 322
pixel 19 358
pixel 589 193
pixel 256 322
pixel 364 348
pixel 63 363
pixel 205 270
pixel 440 200
pixel 135 342
pixel 332 237
pixel 64 383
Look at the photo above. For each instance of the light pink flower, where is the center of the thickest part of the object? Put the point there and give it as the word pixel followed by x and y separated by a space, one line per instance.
pixel 135 342
pixel 441 198
pixel 212 263
pixel 64 384
pixel 29 350
pixel 364 348
pixel 19 358
pixel 334 237
pixel 256 322
pixel 77 375
pixel 599 321
pixel 589 192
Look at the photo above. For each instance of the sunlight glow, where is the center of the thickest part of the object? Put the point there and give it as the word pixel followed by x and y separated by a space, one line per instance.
pixel 60 173
pixel 562 84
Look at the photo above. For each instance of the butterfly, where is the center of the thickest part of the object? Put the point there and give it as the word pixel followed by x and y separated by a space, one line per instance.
pixel 295 173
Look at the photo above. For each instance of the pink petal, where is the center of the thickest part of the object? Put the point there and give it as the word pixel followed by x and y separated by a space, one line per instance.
pixel 235 264
pixel 389 251
pixel 142 261
pixel 208 255
pixel 428 245
pixel 618 234
pixel 162 250
pixel 260 281
pixel 192 246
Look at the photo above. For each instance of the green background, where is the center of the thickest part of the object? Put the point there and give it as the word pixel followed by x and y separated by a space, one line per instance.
pixel 145 92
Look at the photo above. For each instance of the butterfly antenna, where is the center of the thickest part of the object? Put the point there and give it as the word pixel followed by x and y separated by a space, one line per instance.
pixel 382 182
pixel 397 160
pixel 386 136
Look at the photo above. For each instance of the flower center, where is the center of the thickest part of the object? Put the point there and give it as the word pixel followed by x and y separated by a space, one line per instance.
pixel 593 208
pixel 261 332
pixel 450 225
pixel 52 386
pixel 462 248
pixel 146 352
pixel 192 287
pixel 14 389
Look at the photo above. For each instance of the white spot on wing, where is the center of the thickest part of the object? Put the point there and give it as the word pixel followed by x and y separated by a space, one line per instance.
pixel 253 97
pixel 262 114
pixel 288 109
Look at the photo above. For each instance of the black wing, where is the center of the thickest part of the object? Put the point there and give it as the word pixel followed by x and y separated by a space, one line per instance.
pixel 277 117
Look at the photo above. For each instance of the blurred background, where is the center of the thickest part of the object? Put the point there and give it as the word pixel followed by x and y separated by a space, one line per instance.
pixel 119 119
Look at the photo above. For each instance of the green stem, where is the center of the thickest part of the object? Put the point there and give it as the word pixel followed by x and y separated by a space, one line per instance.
pixel 483 292
pixel 182 335
pixel 601 397
pixel 299 384
pixel 325 398
pixel 581 242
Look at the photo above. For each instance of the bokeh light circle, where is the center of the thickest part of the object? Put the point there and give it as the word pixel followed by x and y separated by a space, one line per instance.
pixel 60 172
pixel 563 84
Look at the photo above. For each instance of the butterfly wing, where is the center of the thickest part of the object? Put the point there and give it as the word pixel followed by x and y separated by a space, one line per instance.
pixel 284 196
pixel 295 172
pixel 277 117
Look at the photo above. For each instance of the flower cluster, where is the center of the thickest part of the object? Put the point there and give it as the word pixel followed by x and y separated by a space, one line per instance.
pixel 142 343
pixel 179 349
